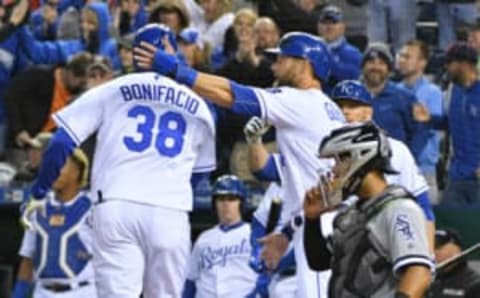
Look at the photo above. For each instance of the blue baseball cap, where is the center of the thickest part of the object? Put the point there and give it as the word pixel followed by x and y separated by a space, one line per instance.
pixel 352 90
pixel 331 13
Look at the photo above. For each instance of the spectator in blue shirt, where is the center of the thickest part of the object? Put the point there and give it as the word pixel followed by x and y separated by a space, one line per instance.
pixel 392 104
pixel 44 21
pixel 463 123
pixel 411 63
pixel 346 58
pixel 96 39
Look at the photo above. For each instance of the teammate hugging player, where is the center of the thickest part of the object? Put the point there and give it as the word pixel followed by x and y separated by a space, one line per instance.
pixel 301 113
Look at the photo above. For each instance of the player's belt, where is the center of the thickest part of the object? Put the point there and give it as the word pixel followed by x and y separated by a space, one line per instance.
pixel 287 272
pixel 59 287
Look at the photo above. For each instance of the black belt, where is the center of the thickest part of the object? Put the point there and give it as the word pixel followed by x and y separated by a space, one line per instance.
pixel 58 287
pixel 287 272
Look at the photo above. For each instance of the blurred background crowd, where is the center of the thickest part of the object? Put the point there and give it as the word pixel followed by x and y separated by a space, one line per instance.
pixel 53 50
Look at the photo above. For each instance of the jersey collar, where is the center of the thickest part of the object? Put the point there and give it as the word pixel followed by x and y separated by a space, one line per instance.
pixel 226 228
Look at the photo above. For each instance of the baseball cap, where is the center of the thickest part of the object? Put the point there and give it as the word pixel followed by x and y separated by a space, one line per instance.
pixel 100 63
pixel 331 13
pixel 378 50
pixel 462 51
pixel 444 236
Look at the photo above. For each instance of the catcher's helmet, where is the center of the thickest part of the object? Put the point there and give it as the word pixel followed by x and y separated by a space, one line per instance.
pixel 229 185
pixel 154 34
pixel 306 46
pixel 367 147
pixel 352 90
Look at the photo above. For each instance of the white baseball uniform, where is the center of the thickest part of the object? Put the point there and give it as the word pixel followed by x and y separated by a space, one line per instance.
pixel 302 119
pixel 280 285
pixel 152 133
pixel 60 246
pixel 409 175
pixel 219 264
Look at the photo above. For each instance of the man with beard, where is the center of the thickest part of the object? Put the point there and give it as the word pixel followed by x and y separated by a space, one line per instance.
pixel 392 105
pixel 300 112
pixel 463 123
pixel 34 95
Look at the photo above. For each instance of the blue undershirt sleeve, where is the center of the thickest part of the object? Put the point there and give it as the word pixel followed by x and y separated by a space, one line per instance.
pixel 423 200
pixel 60 148
pixel 245 100
pixel 269 172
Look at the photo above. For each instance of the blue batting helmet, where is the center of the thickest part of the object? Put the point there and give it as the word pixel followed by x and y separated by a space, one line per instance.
pixel 154 34
pixel 229 185
pixel 306 46
pixel 352 90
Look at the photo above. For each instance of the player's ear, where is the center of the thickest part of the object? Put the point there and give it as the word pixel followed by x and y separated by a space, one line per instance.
pixel 368 113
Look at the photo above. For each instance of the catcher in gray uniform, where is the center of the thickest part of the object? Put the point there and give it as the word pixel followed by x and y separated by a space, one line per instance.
pixel 378 247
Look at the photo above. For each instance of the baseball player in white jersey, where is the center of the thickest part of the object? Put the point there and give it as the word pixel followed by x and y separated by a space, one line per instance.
pixel 56 253
pixel 219 263
pixel 301 113
pixel 152 133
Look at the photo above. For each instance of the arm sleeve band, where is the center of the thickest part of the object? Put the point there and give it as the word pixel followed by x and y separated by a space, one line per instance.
pixel 423 200
pixel 316 250
pixel 245 101
pixel 269 172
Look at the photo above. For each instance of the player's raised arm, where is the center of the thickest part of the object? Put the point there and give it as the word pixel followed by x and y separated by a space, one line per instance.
pixel 215 88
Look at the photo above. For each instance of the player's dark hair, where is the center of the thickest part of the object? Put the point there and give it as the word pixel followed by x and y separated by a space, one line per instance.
pixel 79 63
pixel 422 47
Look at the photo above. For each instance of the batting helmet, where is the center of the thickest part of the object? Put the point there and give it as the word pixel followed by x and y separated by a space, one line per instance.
pixel 154 34
pixel 352 90
pixel 306 46
pixel 229 185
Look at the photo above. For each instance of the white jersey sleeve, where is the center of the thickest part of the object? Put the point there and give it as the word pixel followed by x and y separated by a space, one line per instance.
pixel 409 175
pixel 27 249
pixel 404 228
pixel 84 116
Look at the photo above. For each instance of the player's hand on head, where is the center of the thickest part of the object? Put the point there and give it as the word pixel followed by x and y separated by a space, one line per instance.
pixel 148 57
pixel 255 129
pixel 274 247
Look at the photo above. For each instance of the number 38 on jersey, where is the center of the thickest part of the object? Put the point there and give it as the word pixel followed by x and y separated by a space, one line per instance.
pixel 165 132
